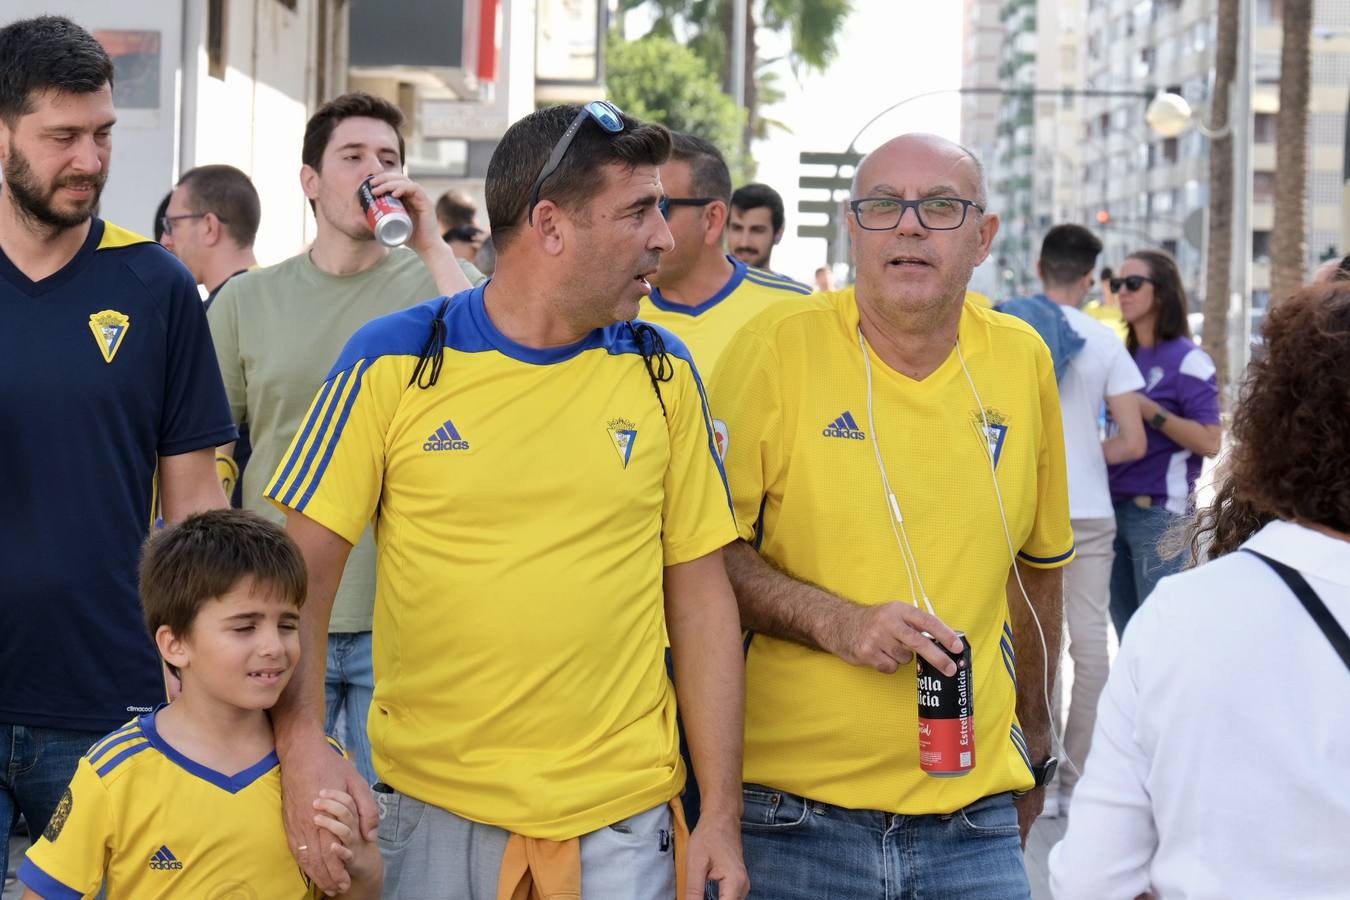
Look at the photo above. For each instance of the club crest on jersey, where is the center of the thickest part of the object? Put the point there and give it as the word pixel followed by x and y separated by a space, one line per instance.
pixel 110 329
pixel 58 820
pixel 997 432
pixel 721 438
pixel 624 435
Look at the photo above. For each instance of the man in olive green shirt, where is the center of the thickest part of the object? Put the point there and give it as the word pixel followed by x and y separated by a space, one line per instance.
pixel 277 330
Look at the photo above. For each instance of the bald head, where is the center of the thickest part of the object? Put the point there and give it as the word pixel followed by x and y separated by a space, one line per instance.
pixel 965 171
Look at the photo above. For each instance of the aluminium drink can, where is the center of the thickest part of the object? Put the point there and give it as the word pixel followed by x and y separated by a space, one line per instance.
pixel 946 714
pixel 386 214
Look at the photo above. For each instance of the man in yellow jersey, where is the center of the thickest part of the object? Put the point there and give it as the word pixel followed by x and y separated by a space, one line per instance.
pixel 897 468
pixel 699 292
pixel 547 505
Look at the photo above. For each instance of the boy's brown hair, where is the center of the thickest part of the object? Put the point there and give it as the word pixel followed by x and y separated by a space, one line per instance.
pixel 205 557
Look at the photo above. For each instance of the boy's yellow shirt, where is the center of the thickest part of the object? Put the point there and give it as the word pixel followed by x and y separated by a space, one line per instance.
pixel 155 824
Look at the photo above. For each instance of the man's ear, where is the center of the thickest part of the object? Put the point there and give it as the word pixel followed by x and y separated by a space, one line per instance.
pixel 309 181
pixel 714 222
pixel 550 227
pixel 215 230
pixel 779 236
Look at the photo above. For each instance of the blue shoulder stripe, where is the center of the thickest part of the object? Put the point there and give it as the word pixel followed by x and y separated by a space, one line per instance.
pixel 131 727
pixel 108 746
pixel 332 442
pixel 1020 747
pixel 403 333
pixel 786 284
pixel 122 757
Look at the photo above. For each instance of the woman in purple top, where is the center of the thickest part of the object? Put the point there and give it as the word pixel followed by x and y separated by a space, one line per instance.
pixel 1180 404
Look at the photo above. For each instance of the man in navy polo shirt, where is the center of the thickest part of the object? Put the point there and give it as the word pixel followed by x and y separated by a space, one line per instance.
pixel 107 378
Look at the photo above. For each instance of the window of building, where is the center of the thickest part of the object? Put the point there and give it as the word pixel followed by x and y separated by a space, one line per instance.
pixel 1269 12
pixel 1264 128
pixel 1171 150
pixel 215 38
pixel 1261 246
pixel 1263 187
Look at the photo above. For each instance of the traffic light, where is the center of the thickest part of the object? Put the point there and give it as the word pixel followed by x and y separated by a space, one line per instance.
pixel 1103 217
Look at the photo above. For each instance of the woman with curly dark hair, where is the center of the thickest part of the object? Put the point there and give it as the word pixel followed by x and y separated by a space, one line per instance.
pixel 1218 768
pixel 1180 406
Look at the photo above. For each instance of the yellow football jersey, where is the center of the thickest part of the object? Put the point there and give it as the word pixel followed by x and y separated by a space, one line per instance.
pixel 524 507
pixel 159 825
pixel 792 391
pixel 708 327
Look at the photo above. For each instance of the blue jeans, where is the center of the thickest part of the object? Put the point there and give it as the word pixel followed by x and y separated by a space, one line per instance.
pixel 799 849
pixel 347 688
pixel 1138 567
pixel 36 765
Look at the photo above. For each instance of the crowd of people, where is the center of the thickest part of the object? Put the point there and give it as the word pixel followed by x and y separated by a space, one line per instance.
pixel 586 554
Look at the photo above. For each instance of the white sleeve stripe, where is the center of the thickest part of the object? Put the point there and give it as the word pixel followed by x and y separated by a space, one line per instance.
pixel 1197 364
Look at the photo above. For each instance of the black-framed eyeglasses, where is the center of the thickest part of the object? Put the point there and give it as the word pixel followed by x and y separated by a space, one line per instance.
pixel 604 114
pixel 934 213
pixel 166 222
pixel 1131 283
pixel 665 203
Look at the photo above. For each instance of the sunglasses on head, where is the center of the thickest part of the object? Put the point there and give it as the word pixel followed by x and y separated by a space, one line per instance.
pixel 602 113
pixel 1131 283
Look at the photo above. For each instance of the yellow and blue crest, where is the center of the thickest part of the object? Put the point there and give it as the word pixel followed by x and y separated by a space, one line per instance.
pixel 624 435
pixel 110 328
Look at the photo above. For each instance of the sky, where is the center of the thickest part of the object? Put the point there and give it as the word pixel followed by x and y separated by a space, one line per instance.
pixel 888 50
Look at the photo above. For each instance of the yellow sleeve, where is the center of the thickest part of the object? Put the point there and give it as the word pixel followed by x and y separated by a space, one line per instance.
pixel 334 468
pixel 747 404
pixel 71 857
pixel 1050 543
pixel 696 515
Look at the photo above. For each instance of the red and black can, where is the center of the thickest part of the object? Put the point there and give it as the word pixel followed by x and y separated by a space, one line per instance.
pixel 387 215
pixel 946 714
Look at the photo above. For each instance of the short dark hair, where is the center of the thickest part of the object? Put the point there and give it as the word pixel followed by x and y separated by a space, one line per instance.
pixel 754 195
pixel 357 104
pixel 48 53
pixel 160 212
pixel 708 173
pixel 206 556
pixel 524 149
pixel 1068 253
pixel 227 192
pixel 1170 294
pixel 455 208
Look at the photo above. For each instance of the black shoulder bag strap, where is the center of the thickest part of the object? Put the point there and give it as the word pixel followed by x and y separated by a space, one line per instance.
pixel 1312 603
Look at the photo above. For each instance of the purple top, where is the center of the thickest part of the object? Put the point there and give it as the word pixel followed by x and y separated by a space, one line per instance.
pixel 1179 377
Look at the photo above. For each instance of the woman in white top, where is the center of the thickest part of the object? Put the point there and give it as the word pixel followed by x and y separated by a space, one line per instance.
pixel 1220 765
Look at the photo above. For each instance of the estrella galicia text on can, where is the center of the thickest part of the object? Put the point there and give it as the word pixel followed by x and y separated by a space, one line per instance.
pixel 387 215
pixel 946 714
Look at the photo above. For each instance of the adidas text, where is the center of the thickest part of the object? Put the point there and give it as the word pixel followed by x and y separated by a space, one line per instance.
pixel 445 445
pixel 843 433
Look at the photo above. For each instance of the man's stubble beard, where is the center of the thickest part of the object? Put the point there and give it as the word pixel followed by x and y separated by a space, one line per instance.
pixel 35 205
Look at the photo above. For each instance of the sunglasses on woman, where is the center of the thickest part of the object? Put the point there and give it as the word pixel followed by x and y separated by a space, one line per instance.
pixel 1131 283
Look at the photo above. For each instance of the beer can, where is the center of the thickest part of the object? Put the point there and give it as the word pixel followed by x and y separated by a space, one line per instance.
pixel 946 714
pixel 386 214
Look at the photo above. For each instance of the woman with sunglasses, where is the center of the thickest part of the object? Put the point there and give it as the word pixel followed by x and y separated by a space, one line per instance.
pixel 1217 767
pixel 1180 406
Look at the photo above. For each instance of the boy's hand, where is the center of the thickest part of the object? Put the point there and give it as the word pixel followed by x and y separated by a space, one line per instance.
pixel 336 814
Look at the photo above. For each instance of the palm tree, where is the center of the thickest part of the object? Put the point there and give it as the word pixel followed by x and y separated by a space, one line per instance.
pixel 1219 261
pixel 812 27
pixel 1288 242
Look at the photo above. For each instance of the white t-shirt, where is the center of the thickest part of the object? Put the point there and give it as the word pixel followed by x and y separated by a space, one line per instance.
pixel 1218 765
pixel 1103 368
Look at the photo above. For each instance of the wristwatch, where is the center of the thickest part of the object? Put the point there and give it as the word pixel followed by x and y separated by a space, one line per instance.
pixel 1157 420
pixel 1044 772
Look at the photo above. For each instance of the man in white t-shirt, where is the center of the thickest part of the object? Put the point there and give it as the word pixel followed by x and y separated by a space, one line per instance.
pixel 1093 366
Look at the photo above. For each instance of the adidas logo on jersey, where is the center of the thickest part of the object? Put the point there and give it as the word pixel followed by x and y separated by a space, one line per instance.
pixel 165 860
pixel 844 427
pixel 445 438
